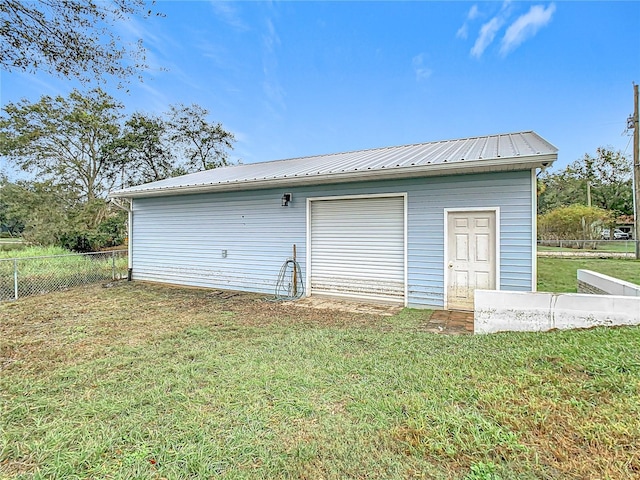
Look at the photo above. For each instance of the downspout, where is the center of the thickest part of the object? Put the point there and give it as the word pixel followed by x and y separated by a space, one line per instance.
pixel 534 224
pixel 127 206
pixel 534 229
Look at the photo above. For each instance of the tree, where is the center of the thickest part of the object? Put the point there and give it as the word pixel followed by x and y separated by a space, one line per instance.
pixel 62 140
pixel 70 38
pixel 52 215
pixel 42 207
pixel 204 144
pixel 77 149
pixel 152 148
pixel 609 176
pixel 143 152
pixel 605 176
pixel 575 222
pixel 12 218
pixel 559 189
pixel 92 226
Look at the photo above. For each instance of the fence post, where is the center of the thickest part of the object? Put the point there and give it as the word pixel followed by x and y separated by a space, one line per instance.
pixel 15 278
pixel 113 265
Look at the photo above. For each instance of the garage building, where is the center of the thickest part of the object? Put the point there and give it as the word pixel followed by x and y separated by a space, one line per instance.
pixel 417 225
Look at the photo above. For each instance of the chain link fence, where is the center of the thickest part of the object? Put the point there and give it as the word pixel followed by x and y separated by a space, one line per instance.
pixel 603 248
pixel 21 277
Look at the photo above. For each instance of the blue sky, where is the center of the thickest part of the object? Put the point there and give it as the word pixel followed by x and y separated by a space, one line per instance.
pixel 302 78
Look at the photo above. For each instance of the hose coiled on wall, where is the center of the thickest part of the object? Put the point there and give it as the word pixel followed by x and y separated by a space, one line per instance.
pixel 289 285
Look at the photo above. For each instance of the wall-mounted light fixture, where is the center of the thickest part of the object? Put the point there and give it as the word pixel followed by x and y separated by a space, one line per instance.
pixel 286 198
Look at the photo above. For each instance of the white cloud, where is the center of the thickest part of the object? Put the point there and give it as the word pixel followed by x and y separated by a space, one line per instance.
pixel 421 70
pixel 226 11
pixel 526 26
pixel 158 45
pixel 463 31
pixel 274 93
pixel 155 100
pixel 271 39
pixel 45 84
pixel 487 34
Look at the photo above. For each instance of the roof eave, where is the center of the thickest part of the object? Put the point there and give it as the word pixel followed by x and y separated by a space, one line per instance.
pixel 460 167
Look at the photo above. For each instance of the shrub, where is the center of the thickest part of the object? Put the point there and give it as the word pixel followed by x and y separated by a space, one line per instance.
pixel 577 222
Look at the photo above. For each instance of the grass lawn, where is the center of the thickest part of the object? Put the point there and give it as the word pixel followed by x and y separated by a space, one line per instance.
pixel 11 240
pixel 559 274
pixel 10 245
pixel 151 382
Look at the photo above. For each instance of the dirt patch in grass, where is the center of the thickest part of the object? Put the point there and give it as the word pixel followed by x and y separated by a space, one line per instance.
pixel 325 303
pixel 50 330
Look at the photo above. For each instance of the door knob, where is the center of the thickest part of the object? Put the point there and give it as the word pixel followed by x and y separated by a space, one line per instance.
pixel 450 264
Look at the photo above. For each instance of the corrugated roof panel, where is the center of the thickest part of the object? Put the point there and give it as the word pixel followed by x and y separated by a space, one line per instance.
pixel 491 148
pixel 475 149
pixel 423 159
pixel 436 155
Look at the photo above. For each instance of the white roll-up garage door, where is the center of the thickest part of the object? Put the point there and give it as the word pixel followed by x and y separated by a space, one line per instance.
pixel 357 248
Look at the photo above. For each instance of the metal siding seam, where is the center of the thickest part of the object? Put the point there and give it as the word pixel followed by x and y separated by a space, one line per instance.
pixel 534 231
pixel 445 270
pixel 498 249
pixel 405 197
pixel 130 237
pixel 308 246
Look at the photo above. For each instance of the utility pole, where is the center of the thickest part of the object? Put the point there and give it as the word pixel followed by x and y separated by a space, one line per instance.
pixel 636 171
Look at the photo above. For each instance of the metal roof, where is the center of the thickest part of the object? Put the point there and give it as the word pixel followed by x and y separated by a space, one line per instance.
pixel 511 151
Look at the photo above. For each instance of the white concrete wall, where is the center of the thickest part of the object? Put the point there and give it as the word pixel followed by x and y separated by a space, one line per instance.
pixel 590 282
pixel 499 311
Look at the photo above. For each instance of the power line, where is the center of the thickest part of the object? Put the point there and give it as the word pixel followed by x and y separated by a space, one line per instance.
pixel 628 143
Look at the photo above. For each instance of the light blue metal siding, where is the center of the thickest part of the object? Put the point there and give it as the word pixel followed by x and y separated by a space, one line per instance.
pixel 511 192
pixel 179 239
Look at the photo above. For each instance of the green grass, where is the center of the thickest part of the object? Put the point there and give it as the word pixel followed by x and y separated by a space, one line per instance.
pixel 618 246
pixel 150 382
pixel 557 274
pixel 35 252
pixel 10 239
pixel 10 245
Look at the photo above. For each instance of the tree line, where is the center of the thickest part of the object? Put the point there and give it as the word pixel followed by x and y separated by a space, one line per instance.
pixel 590 194
pixel 79 147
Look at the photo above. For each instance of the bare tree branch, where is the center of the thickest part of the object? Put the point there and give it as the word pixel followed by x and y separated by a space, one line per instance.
pixel 70 38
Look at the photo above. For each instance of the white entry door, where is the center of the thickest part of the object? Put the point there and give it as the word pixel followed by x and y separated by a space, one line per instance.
pixel 471 258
